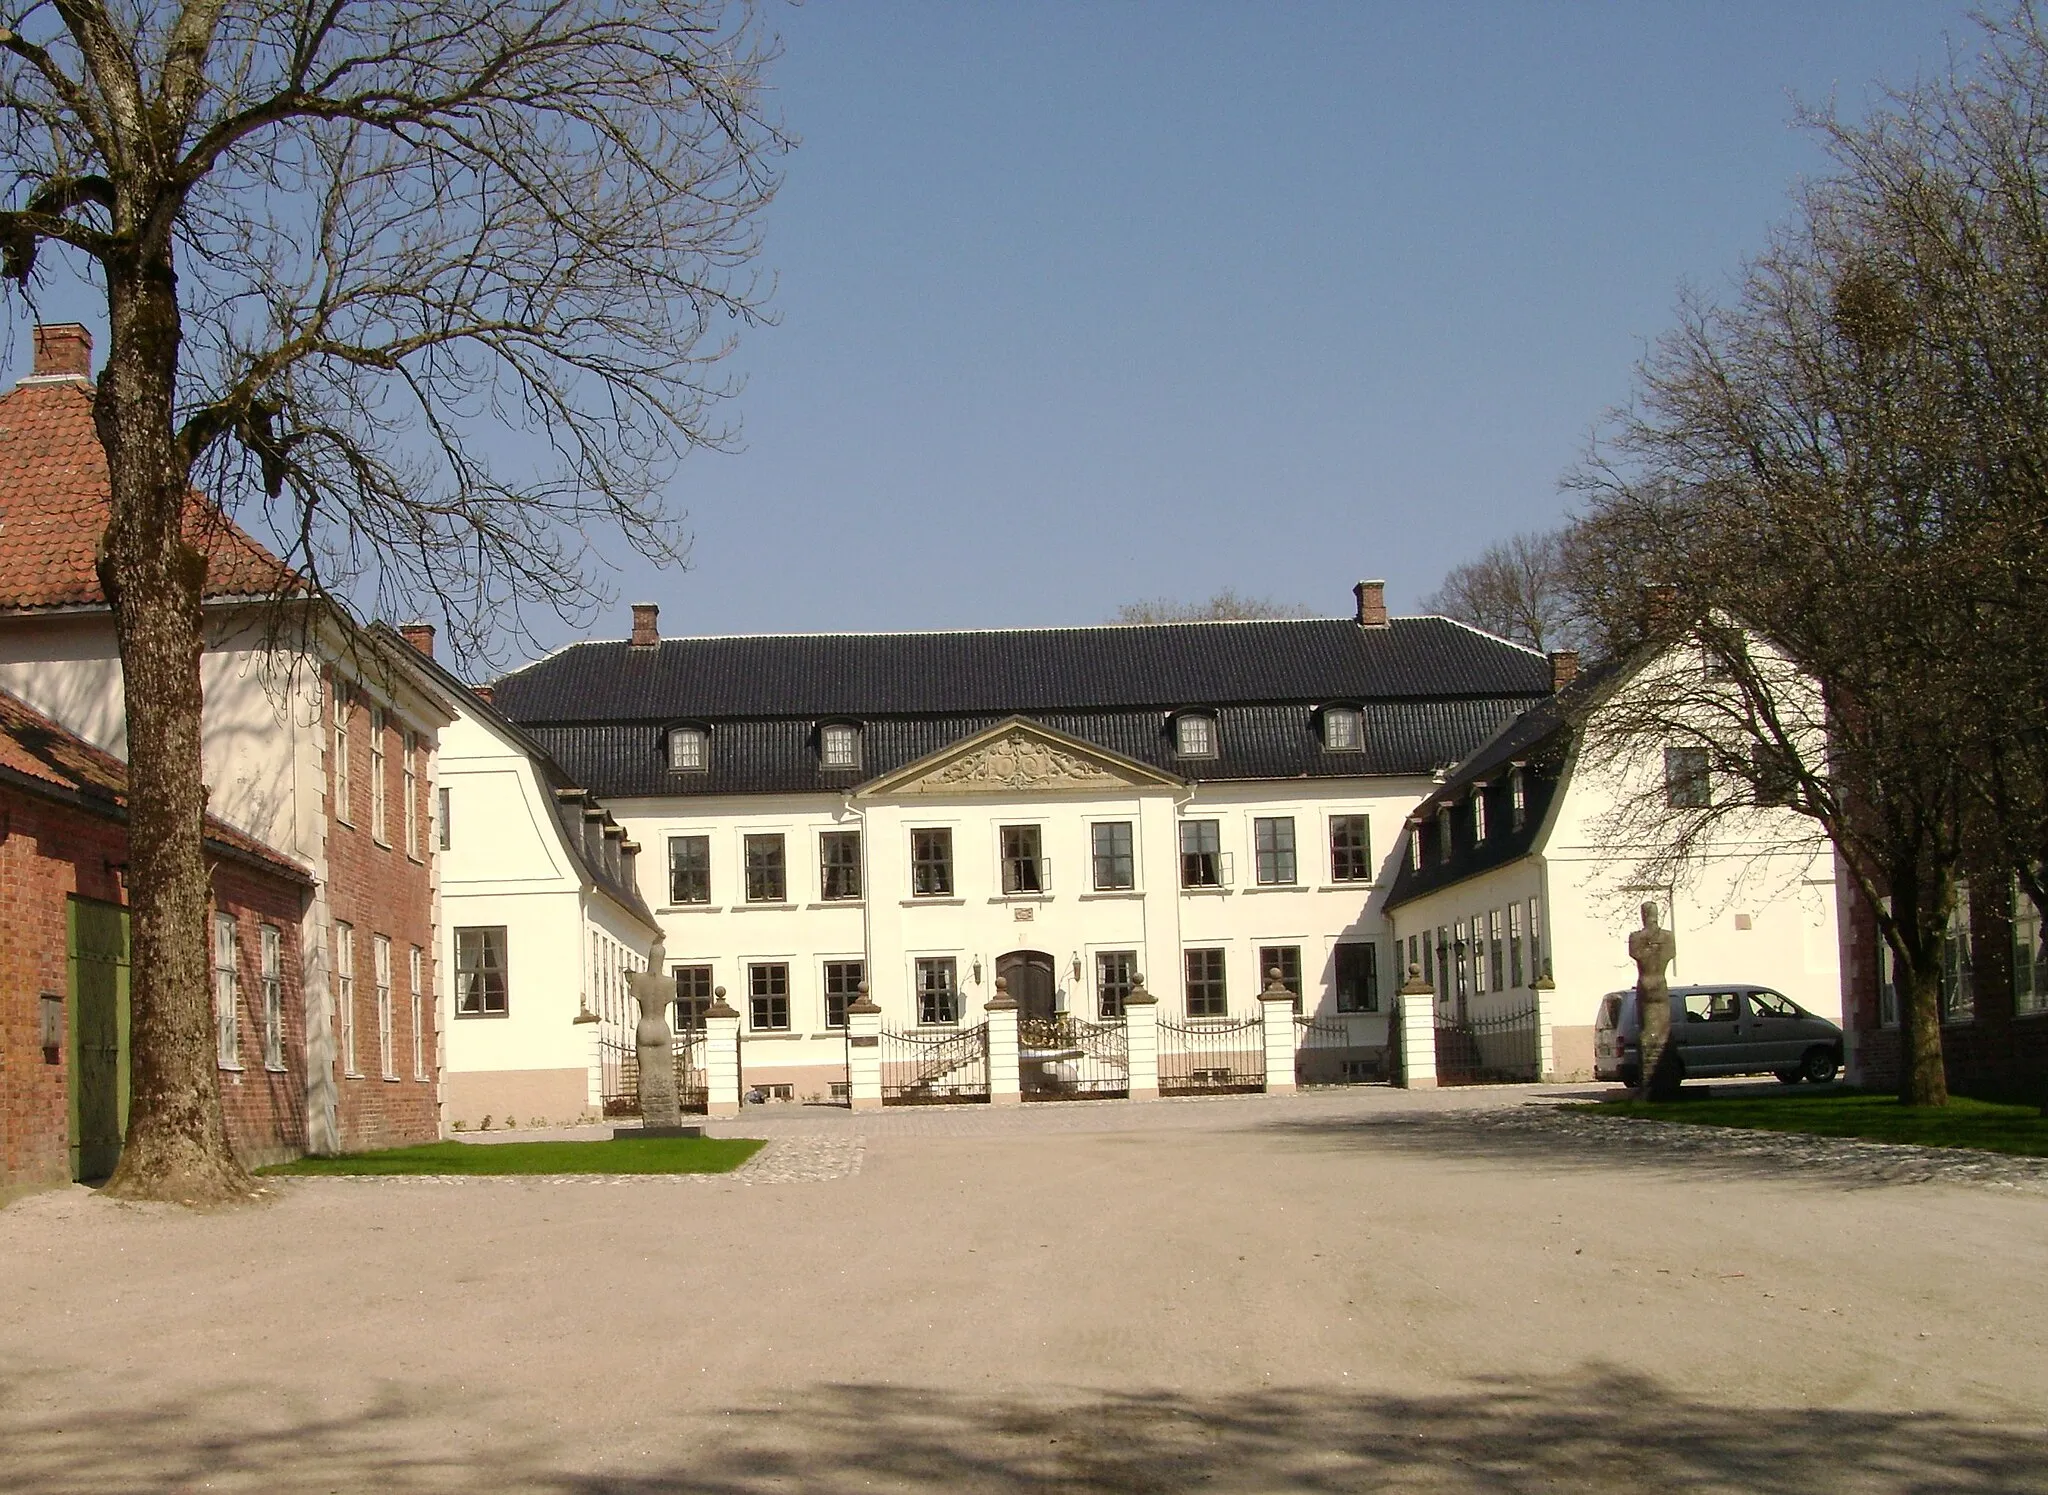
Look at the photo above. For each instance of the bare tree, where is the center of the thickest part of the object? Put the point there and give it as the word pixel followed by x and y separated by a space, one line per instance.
pixel 1516 589
pixel 437 283
pixel 1225 605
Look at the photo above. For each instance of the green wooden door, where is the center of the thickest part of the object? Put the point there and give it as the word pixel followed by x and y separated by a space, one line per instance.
pixel 99 1036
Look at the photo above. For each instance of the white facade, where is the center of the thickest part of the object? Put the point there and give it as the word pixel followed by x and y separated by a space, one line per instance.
pixel 507 865
pixel 1755 904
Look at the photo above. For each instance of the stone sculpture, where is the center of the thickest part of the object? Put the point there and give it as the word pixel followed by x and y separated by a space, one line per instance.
pixel 1653 948
pixel 660 1106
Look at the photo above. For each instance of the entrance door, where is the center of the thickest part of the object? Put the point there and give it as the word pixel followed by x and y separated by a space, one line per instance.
pixel 99 1036
pixel 1028 974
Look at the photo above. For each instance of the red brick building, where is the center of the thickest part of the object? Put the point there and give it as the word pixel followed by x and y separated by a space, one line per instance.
pixel 318 742
pixel 63 966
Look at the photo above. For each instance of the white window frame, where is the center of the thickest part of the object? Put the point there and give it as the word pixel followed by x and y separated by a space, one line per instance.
pixel 273 996
pixel 446 817
pixel 409 745
pixel 1480 828
pixel 416 963
pixel 1195 735
pixel 227 992
pixel 380 829
pixel 387 1052
pixel 839 745
pixel 1354 729
pixel 689 750
pixel 343 707
pixel 345 992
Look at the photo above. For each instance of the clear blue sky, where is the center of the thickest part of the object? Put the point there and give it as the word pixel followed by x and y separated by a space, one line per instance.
pixel 1082 304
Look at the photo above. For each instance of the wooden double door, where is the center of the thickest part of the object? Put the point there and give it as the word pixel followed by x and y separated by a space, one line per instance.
pixel 1028 977
pixel 99 1030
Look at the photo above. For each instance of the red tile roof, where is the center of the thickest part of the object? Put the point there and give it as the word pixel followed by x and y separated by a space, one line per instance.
pixel 54 498
pixel 34 748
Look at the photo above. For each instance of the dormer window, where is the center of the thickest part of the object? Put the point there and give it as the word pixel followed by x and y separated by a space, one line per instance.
pixel 1194 735
pixel 1414 846
pixel 839 745
pixel 1518 797
pixel 1478 814
pixel 1343 729
pixel 686 749
pixel 1443 833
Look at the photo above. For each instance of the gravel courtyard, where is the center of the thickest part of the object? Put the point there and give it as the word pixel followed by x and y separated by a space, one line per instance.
pixel 1339 1291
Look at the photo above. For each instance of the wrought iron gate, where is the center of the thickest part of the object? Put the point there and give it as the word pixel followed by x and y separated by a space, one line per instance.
pixel 1501 1050
pixel 619 1071
pixel 1064 1058
pixel 1206 1056
pixel 1329 1049
pixel 934 1069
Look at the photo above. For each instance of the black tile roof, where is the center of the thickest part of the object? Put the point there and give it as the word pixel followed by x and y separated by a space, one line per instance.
pixel 1540 738
pixel 1429 689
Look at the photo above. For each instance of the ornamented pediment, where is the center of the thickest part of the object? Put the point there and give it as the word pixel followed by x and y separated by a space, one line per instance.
pixel 1019 758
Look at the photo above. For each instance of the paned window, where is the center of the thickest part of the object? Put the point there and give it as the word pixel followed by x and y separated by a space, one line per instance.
pixel 767 875
pixel 689 869
pixel 1537 970
pixel 1207 994
pixel 379 831
pixel 1958 962
pixel 693 995
pixel 1414 846
pixel 686 749
pixel 380 963
pixel 931 863
pixel 1444 954
pixel 1514 945
pixel 412 793
pixel 416 986
pixel 1201 854
pixel 1023 868
pixel 842 987
pixel 2029 956
pixel 1116 865
pixel 839 745
pixel 1518 799
pixel 1358 977
pixel 227 993
pixel 938 991
pixel 447 828
pixel 1496 952
pixel 1350 848
pixel 343 769
pixel 1116 975
pixel 1774 782
pixel 768 998
pixel 1194 735
pixel 273 996
pixel 1287 959
pixel 1461 965
pixel 1478 949
pixel 1273 847
pixel 1479 828
pixel 1342 730
pixel 480 972
pixel 1443 833
pixel 839 864
pixel 345 992
pixel 1415 949
pixel 1688 783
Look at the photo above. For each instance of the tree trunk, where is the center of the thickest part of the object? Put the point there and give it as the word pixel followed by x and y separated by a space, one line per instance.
pixel 1923 1077
pixel 177 1144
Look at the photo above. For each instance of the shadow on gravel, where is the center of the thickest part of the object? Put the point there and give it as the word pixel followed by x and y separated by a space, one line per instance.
pixel 1545 1136
pixel 1598 1430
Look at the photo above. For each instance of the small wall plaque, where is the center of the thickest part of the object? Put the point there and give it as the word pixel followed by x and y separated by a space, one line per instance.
pixel 864 1041
pixel 1023 913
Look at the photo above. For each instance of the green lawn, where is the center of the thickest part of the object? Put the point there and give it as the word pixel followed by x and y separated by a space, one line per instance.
pixel 1850 1113
pixel 631 1155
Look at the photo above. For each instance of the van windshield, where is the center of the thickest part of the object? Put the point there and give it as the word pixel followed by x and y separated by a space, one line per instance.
pixel 1610 1010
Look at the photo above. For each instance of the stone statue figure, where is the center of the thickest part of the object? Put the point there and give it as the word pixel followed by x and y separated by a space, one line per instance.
pixel 1653 948
pixel 659 1104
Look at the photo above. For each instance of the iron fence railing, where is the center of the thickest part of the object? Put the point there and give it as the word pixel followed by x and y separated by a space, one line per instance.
pixel 1499 1050
pixel 1211 1056
pixel 1344 1048
pixel 619 1071
pixel 934 1068
pixel 1063 1057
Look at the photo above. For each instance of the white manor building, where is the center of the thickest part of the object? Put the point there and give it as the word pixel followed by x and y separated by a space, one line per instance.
pixel 1064 810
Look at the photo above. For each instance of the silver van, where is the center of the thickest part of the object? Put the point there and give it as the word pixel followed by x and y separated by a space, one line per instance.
pixel 1729 1029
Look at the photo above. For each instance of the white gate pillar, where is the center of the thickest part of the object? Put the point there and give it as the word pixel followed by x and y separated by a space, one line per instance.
pixel 1004 1087
pixel 1276 1009
pixel 721 1057
pixel 864 1052
pixel 1141 1041
pixel 1417 1021
pixel 1546 1039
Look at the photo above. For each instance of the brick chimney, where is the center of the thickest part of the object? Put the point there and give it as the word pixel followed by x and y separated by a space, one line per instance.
pixel 646 632
pixel 485 693
pixel 63 351
pixel 1564 668
pixel 1660 606
pixel 419 635
pixel 1372 604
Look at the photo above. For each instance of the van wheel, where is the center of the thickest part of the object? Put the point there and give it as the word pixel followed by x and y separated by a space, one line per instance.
pixel 1820 1066
pixel 1790 1076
